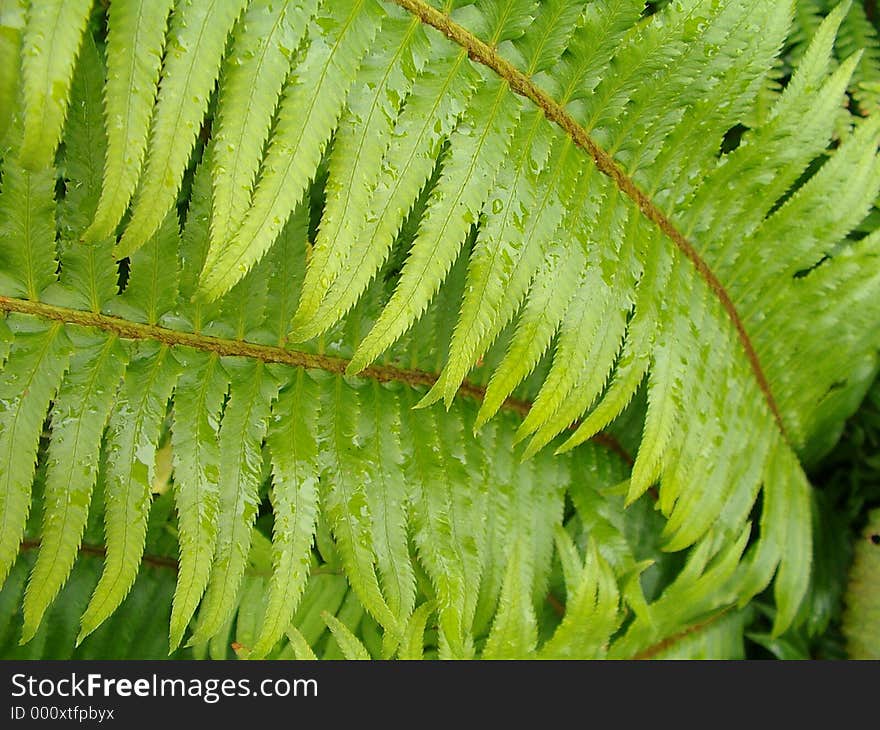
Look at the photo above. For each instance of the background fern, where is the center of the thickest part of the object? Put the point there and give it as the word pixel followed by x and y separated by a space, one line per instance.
pixel 244 246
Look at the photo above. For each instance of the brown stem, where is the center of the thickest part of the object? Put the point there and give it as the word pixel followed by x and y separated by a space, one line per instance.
pixel 158 561
pixel 557 605
pixel 266 353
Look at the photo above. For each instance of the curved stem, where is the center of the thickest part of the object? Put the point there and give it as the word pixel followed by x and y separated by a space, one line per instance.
pixel 486 55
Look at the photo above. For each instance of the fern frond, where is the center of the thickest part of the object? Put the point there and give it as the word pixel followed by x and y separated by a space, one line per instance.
pixel 525 508
pixel 432 111
pixel 583 337
pixel 38 359
pixel 263 43
pixel 194 240
pixel 6 337
pixel 79 413
pixel 446 523
pixel 302 651
pixel 193 52
pixel 129 457
pixel 364 135
pixel 293 444
pixel 412 646
pixel 514 630
pixel 858 34
pixel 88 279
pixel 135 630
pixel 592 614
pixel 28 257
pixel 151 291
pixel 194 437
pixel 477 149
pixel 558 217
pixel 324 594
pixel 245 420
pixel 502 264
pixel 135 45
pixel 13 17
pixel 351 614
pixel 50 45
pixel 345 474
pixel 288 265
pixel 388 501
pixel 346 31
pixel 691 596
pixel 350 646
pixel 719 637
pixel 551 290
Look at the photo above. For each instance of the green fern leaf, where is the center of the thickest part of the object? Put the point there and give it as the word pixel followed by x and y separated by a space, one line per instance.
pixel 27 230
pixel 780 547
pixel 592 607
pixel 349 618
pixel 50 45
pixel 567 216
pixel 477 150
pixel 345 33
pixel 287 262
pixel 194 314
pixel 525 512
pixel 350 645
pixel 294 449
pixel 858 33
pixel 6 338
pixel 344 476
pixel 130 451
pixel 79 414
pixel 38 359
pixel 153 279
pixel 448 529
pixel 364 135
pixel 432 111
pixel 243 310
pixel 265 39
pixel 195 425
pixel 688 598
pixel 634 361
pixel 135 43
pixel 412 646
pixel 502 264
pixel 717 638
pixel 13 16
pixel 197 38
pixel 552 289
pixel 88 279
pixel 245 420
pixel 324 593
pixel 301 649
pixel 571 387
pixel 387 500
pixel 514 632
